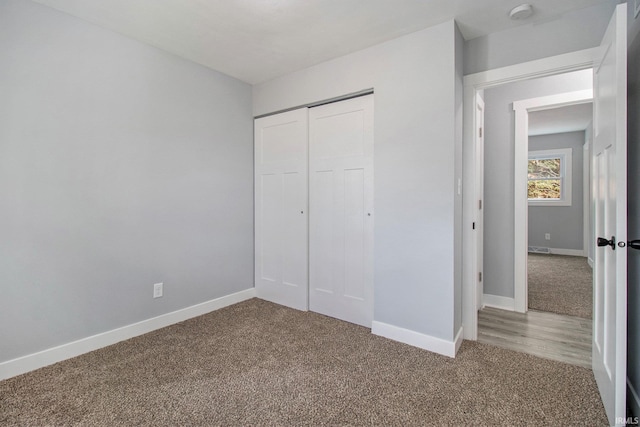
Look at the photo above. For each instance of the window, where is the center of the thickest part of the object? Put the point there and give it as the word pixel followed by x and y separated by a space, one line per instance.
pixel 549 177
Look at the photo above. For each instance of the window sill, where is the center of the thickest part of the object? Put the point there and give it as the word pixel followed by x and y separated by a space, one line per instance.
pixel 549 202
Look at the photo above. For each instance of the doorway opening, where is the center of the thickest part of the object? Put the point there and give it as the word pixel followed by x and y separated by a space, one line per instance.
pixel 535 134
pixel 538 143
pixel 552 136
pixel 502 246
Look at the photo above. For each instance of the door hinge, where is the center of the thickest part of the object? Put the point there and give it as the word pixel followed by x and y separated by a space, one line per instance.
pixel 473 225
pixel 479 204
pixel 480 276
pixel 479 132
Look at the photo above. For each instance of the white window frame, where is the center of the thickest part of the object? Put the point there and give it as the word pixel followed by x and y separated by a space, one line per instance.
pixel 564 154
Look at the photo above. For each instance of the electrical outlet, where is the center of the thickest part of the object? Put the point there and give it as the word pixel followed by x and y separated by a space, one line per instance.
pixel 157 290
pixel 547 236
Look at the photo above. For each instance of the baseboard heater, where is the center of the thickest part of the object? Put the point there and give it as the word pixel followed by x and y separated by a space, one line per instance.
pixel 539 250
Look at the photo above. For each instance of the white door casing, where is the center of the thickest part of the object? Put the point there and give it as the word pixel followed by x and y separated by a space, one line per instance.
pixel 610 196
pixel 341 210
pixel 281 201
pixel 479 222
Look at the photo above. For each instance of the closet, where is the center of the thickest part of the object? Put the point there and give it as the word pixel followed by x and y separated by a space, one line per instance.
pixel 314 209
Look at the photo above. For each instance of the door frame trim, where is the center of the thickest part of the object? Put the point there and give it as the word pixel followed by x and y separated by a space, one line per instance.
pixel 473 83
pixel 478 188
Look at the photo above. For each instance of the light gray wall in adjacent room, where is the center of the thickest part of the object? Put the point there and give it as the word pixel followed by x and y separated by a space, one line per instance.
pixel 414 79
pixel 120 166
pixel 576 30
pixel 633 181
pixel 499 171
pixel 564 223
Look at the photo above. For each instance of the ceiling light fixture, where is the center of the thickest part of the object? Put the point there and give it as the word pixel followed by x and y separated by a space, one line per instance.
pixel 521 12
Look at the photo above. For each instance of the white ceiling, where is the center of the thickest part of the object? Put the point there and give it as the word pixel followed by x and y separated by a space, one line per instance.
pixel 258 40
pixel 559 120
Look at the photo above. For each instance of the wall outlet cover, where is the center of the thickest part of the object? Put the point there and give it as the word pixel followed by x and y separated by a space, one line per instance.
pixel 157 290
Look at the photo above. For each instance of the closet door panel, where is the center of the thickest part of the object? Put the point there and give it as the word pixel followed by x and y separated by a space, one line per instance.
pixel 281 204
pixel 355 231
pixel 341 210
pixel 270 246
pixel 322 233
pixel 295 231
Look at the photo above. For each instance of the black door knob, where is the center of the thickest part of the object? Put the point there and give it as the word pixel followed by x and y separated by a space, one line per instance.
pixel 604 242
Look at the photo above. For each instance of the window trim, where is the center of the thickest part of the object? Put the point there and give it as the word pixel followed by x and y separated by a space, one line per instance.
pixel 565 155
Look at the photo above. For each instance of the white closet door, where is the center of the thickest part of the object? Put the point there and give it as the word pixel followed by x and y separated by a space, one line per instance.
pixel 341 215
pixel 281 199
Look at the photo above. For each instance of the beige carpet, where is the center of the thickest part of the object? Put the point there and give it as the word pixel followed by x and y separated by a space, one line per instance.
pixel 560 284
pixel 257 363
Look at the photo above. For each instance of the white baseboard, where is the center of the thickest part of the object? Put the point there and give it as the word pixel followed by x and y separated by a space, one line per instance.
pixel 571 252
pixel 633 399
pixel 27 363
pixel 458 340
pixel 495 301
pixel 416 339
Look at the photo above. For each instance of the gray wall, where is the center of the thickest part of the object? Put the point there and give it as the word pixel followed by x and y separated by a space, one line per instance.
pixel 414 78
pixel 633 319
pixel 564 223
pixel 577 30
pixel 120 166
pixel 499 171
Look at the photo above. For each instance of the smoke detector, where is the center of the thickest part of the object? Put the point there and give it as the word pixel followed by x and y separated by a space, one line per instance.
pixel 521 12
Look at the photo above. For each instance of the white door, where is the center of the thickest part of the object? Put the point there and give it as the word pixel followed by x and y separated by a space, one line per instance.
pixel 281 198
pixel 479 223
pixel 341 210
pixel 610 196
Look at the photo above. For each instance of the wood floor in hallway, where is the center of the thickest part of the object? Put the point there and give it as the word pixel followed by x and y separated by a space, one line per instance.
pixel 547 335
